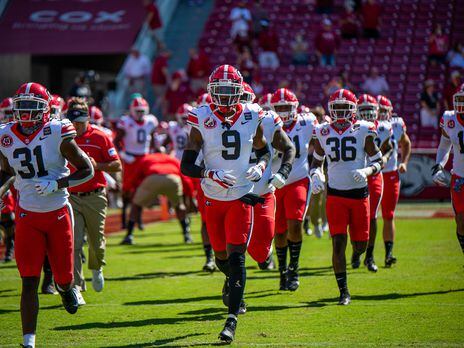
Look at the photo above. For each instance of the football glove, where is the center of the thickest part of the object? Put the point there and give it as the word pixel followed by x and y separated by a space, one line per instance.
pixel 129 159
pixel 317 181
pixel 278 181
pixel 360 175
pixel 223 178
pixel 438 175
pixel 255 173
pixel 46 187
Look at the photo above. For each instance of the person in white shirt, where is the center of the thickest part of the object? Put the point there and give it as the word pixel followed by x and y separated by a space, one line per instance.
pixel 136 71
pixel 240 17
pixel 375 84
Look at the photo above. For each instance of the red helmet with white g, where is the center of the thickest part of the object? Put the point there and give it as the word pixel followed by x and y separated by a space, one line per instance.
pixel 204 99
pixel 182 113
pixel 367 108
pixel 385 108
pixel 458 100
pixel 6 110
pixel 285 103
pixel 138 108
pixel 56 106
pixel 342 105
pixel 248 95
pixel 225 87
pixel 96 115
pixel 31 103
pixel 265 101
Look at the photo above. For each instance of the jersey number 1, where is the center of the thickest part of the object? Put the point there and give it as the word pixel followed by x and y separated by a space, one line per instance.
pixel 26 162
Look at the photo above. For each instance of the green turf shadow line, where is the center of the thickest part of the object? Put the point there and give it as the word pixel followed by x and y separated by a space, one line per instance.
pixel 154 275
pixel 161 342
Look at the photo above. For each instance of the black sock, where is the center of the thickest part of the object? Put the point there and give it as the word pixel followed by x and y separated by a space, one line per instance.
pixel 208 251
pixel 237 281
pixel 461 240
pixel 282 257
pixel 46 266
pixel 185 226
pixel 223 266
pixel 370 252
pixel 388 249
pixel 295 248
pixel 341 281
pixel 130 227
pixel 123 211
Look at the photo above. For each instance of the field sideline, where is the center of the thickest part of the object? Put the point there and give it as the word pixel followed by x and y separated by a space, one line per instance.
pixel 156 295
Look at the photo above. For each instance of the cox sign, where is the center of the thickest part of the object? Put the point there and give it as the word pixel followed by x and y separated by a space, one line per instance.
pixel 49 16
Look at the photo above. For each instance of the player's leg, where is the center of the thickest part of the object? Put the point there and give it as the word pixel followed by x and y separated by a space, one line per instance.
pixel 338 219
pixel 210 265
pixel 48 286
pixel 375 197
pixel 390 197
pixel 7 224
pixel 315 212
pixel 460 229
pixel 280 239
pixel 457 199
pixel 79 240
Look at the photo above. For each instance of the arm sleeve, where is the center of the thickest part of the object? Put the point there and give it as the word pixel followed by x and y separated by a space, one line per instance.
pixel 443 151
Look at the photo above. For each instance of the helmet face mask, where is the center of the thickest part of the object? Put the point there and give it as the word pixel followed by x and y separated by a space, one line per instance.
pixel 384 113
pixel 458 102
pixel 341 110
pixel 29 109
pixel 138 109
pixel 286 111
pixel 367 112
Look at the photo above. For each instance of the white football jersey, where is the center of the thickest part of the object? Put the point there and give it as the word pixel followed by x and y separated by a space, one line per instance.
pixel 271 123
pixel 344 151
pixel 227 146
pixel 179 137
pixel 300 133
pixel 455 130
pixel 384 132
pixel 35 157
pixel 398 129
pixel 138 135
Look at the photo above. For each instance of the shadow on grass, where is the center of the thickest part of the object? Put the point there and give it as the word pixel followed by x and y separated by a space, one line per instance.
pixel 250 308
pixel 6 311
pixel 161 342
pixel 303 272
pixel 152 276
pixel 7 265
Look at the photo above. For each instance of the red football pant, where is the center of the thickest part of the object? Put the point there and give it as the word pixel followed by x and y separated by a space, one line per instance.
pixel 40 234
pixel 260 243
pixel 375 184
pixel 457 197
pixel 391 193
pixel 129 171
pixel 228 222
pixel 344 213
pixel 291 203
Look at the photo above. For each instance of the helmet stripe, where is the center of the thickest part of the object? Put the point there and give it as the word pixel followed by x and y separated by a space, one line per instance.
pixel 28 87
pixel 226 70
pixel 340 94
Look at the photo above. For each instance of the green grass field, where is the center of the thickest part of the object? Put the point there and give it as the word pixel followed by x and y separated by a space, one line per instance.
pixel 156 295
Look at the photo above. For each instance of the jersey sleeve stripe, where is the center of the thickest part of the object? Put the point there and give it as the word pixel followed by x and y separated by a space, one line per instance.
pixel 71 133
pixel 192 119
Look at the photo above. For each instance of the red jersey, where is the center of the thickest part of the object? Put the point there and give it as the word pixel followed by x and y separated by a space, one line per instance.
pixel 96 144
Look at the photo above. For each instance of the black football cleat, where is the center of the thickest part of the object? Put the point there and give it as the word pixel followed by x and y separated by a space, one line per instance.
pixel 128 240
pixel 370 264
pixel 389 261
pixel 355 261
pixel 243 308
pixel 70 300
pixel 228 333
pixel 292 279
pixel 268 264
pixel 209 266
pixel 283 280
pixel 345 298
pixel 22 345
pixel 226 292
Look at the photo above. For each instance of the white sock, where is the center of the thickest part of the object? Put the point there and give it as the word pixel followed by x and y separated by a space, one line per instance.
pixel 232 316
pixel 29 340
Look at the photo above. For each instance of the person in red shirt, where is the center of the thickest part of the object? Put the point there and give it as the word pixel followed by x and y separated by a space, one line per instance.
pixel 159 174
pixel 451 88
pixel 160 76
pixel 153 20
pixel 198 70
pixel 371 12
pixel 438 46
pixel 326 43
pixel 177 93
pixel 88 200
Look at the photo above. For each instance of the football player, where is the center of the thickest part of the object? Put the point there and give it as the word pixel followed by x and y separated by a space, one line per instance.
pixel 346 146
pixel 292 199
pixel 391 177
pixel 265 102
pixel 134 134
pixel 367 110
pixel 179 130
pixel 56 106
pixel 452 136
pixel 226 132
pixel 97 120
pixel 6 110
pixel 35 150
pixel 260 243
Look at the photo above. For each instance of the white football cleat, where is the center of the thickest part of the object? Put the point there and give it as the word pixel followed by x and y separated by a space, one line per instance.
pixel 80 298
pixel 98 281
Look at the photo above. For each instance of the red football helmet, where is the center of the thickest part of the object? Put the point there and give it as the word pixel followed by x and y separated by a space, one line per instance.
pixel 385 108
pixel 248 95
pixel 56 106
pixel 6 110
pixel 367 108
pixel 182 113
pixel 225 87
pixel 96 115
pixel 204 99
pixel 139 108
pixel 31 103
pixel 265 101
pixel 342 105
pixel 458 100
pixel 285 103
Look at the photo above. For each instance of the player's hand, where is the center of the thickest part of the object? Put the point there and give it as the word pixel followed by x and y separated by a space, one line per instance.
pixel 317 182
pixel 359 175
pixel 254 173
pixel 129 159
pixel 402 168
pixel 222 177
pixel 438 175
pixel 278 181
pixel 46 187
